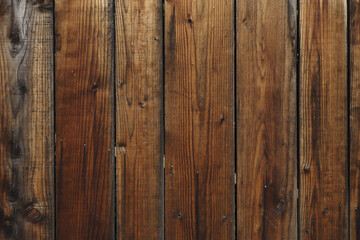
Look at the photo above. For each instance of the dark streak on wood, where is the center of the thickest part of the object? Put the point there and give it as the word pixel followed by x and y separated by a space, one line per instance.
pixel 264 224
pixel 197 215
pixel 123 205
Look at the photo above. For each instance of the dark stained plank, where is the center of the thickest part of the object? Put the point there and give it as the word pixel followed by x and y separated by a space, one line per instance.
pixel 84 120
pixel 354 119
pixel 199 120
pixel 26 120
pixel 139 74
pixel 323 119
pixel 266 120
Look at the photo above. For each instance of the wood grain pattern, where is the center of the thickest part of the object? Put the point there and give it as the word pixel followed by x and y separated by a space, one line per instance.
pixel 354 119
pixel 139 74
pixel 323 120
pixel 26 120
pixel 266 119
pixel 199 119
pixel 84 120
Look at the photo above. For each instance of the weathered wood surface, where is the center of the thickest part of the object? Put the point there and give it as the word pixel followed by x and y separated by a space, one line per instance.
pixel 199 120
pixel 84 119
pixel 354 65
pixel 139 74
pixel 266 120
pixel 121 44
pixel 26 120
pixel 323 120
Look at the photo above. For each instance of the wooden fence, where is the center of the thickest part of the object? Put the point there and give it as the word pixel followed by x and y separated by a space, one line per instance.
pixel 182 119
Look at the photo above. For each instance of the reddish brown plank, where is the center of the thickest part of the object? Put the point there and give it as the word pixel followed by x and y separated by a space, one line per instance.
pixel 199 119
pixel 26 120
pixel 266 120
pixel 323 119
pixel 138 117
pixel 84 120
pixel 354 119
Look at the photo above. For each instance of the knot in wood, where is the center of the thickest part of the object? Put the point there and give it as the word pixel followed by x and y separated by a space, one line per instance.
pixel 32 214
pixel 15 37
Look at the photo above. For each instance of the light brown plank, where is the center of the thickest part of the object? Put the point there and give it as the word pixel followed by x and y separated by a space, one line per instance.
pixel 323 119
pixel 138 116
pixel 84 120
pixel 199 119
pixel 266 119
pixel 26 120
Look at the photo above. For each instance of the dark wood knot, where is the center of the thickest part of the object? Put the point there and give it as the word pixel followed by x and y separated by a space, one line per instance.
pixel 15 36
pixel 32 214
pixel 13 195
pixel 15 151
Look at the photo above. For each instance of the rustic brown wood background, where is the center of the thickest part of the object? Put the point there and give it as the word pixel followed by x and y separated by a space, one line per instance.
pixel 180 119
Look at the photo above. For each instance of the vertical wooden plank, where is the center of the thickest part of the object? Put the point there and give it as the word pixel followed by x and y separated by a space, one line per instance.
pixel 266 119
pixel 323 119
pixel 26 120
pixel 354 119
pixel 199 119
pixel 84 119
pixel 138 111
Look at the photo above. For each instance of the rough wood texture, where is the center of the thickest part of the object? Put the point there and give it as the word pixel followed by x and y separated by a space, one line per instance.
pixel 323 120
pixel 199 119
pixel 26 120
pixel 354 119
pixel 84 120
pixel 266 119
pixel 138 115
